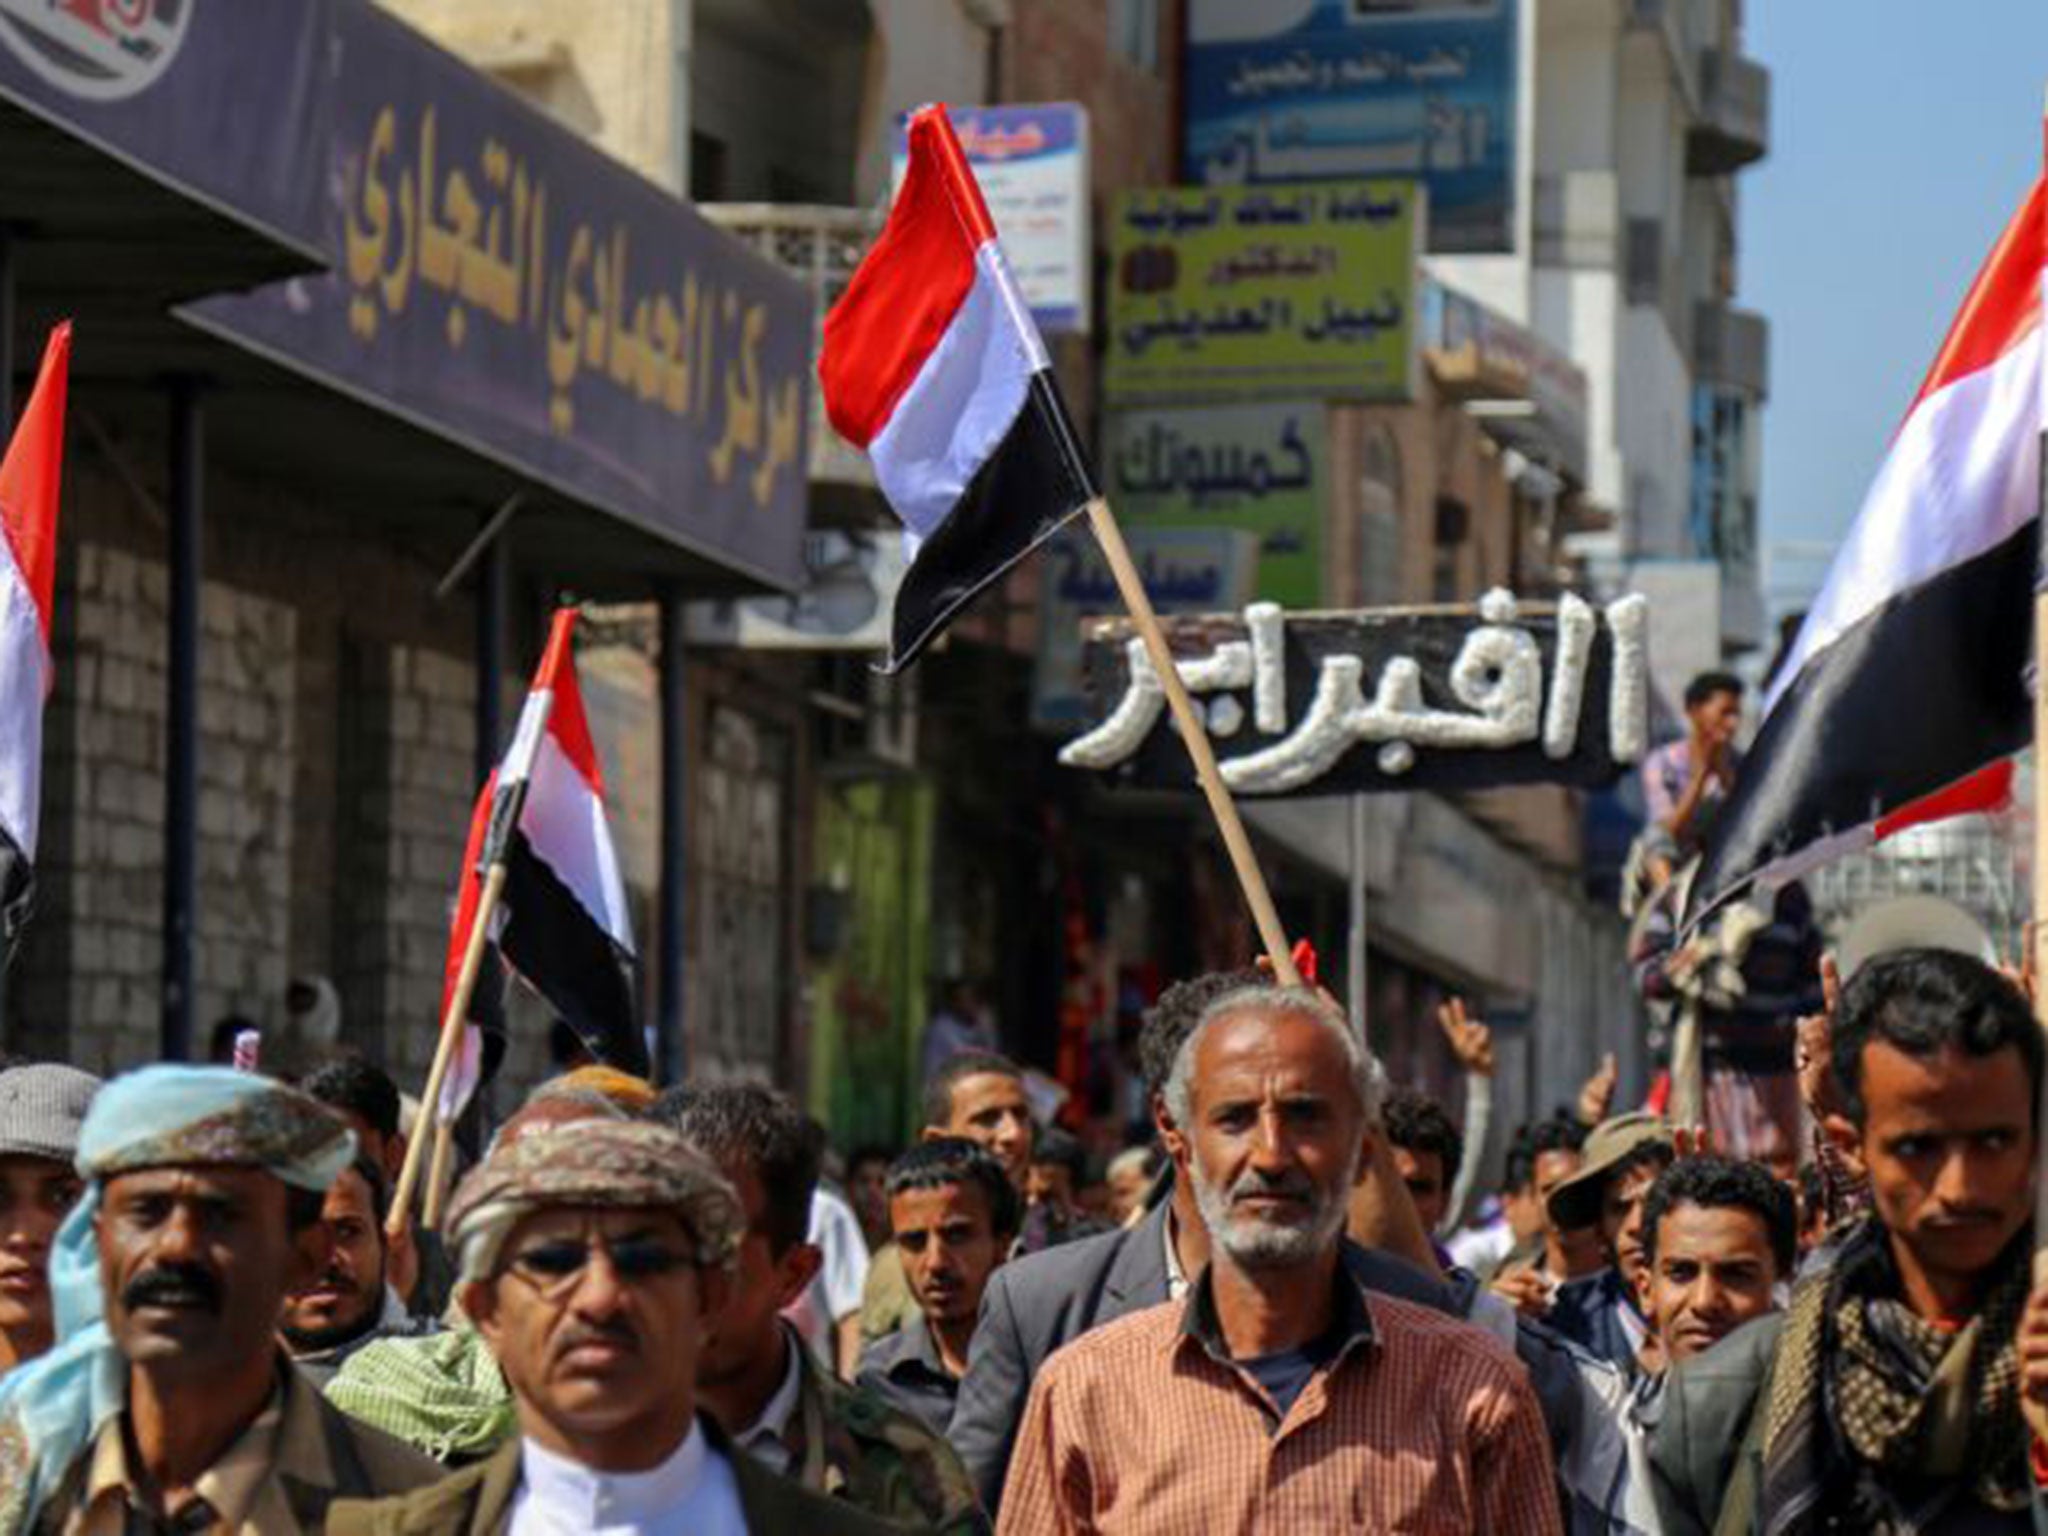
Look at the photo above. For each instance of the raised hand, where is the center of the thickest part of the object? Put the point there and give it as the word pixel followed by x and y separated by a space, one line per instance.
pixel 1598 1093
pixel 1810 1043
pixel 1471 1042
pixel 1526 1290
pixel 2033 1347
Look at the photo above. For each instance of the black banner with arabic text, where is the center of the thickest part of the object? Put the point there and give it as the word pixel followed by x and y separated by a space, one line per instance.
pixel 1376 700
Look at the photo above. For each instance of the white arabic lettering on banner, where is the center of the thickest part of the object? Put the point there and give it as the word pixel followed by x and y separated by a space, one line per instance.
pixel 1497 676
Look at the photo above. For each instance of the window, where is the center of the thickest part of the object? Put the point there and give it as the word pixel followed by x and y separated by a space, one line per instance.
pixel 1644 276
pixel 1379 532
pixel 1134 33
pixel 707 168
pixel 1453 528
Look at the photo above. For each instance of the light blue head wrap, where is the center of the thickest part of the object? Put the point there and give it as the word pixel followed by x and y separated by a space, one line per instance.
pixel 158 1117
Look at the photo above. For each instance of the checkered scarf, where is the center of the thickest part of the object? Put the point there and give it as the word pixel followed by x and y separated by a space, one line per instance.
pixel 1855 1374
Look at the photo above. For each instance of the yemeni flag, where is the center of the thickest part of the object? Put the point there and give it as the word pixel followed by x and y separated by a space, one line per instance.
pixel 1905 694
pixel 932 364
pixel 562 923
pixel 30 476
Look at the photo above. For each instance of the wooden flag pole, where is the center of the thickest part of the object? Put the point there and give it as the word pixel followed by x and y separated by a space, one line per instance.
pixel 2037 930
pixel 438 1172
pixel 444 1050
pixel 1195 736
pixel 1382 1213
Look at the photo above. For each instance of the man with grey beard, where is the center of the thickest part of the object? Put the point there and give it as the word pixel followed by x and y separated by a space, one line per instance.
pixel 1279 1395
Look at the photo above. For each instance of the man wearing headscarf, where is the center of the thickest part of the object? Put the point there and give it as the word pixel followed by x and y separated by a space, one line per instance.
pixel 443 1393
pixel 593 1265
pixel 167 1404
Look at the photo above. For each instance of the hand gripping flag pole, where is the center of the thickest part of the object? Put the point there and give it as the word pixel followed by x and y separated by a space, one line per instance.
pixel 933 365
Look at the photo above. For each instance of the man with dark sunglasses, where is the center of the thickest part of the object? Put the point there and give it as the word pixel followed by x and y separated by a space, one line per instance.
pixel 595 1265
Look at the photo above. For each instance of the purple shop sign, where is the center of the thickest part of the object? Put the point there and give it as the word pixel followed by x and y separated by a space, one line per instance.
pixel 499 281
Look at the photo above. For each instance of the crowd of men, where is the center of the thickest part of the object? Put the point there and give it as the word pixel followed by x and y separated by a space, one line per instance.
pixel 625 1323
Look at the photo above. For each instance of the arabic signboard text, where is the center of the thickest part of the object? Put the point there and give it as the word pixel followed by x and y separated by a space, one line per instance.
pixel 1032 163
pixel 1300 90
pixel 1257 468
pixel 1262 293
pixel 1186 570
pixel 503 282
pixel 1393 699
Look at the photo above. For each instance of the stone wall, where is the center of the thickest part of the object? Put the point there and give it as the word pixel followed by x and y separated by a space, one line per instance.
pixel 413 791
pixel 100 880
pixel 336 772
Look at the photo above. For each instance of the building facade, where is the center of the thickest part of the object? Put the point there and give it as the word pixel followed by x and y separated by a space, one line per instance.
pixel 919 831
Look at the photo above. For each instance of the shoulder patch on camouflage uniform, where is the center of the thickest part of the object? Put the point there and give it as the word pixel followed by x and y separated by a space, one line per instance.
pixel 899 1469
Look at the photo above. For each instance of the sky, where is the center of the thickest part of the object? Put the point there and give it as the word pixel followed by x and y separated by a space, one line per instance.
pixel 1903 136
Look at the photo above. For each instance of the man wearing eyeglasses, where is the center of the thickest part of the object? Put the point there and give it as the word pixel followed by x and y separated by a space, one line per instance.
pixel 594 1265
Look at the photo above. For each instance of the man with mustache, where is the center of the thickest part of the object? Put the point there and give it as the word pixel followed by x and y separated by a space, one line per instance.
pixel 441 1392
pixel 1280 1395
pixel 364 1095
pixel 1890 1396
pixel 166 1404
pixel 352 1303
pixel 41 1107
pixel 595 1265
pixel 1037 1303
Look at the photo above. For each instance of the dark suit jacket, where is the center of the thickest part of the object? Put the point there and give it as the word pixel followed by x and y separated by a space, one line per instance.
pixel 1034 1305
pixel 477 1501
pixel 1587 1311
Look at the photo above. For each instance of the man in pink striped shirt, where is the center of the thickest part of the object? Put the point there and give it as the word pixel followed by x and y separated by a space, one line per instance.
pixel 1279 1396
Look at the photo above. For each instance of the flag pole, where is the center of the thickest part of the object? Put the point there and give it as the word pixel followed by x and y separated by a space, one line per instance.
pixel 444 1049
pixel 2037 931
pixel 1382 1213
pixel 1131 586
pixel 438 1173
pixel 507 805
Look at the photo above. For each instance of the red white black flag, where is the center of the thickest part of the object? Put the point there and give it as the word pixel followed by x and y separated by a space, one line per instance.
pixel 562 922
pixel 1905 695
pixel 932 363
pixel 30 476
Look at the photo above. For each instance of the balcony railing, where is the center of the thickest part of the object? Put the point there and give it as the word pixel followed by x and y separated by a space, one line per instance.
pixel 819 247
pixel 1734 125
pixel 1731 347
